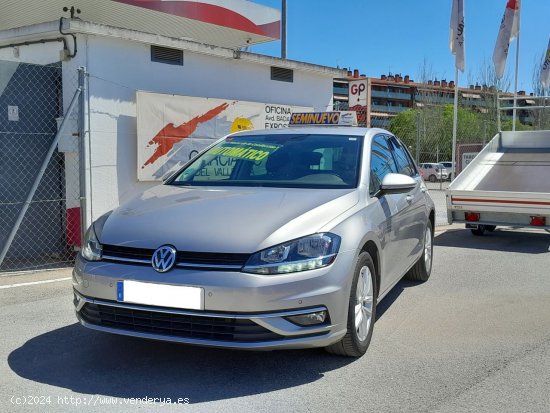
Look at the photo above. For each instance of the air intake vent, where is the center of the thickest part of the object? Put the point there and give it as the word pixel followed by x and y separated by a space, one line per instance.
pixel 281 74
pixel 166 55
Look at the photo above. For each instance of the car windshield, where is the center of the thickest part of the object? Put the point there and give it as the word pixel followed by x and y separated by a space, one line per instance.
pixel 284 161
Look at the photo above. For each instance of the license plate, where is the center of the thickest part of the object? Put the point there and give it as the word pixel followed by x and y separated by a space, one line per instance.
pixel 163 295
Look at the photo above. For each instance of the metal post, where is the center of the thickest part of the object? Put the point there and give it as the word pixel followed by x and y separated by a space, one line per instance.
pixel 418 137
pixel 82 78
pixel 516 79
pixel 455 127
pixel 283 29
pixel 369 102
pixel 38 178
pixel 498 113
pixel 437 160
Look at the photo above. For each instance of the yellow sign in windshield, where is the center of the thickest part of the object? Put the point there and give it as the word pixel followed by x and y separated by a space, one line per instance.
pixel 244 150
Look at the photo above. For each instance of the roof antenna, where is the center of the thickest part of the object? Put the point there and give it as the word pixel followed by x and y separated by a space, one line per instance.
pixel 72 10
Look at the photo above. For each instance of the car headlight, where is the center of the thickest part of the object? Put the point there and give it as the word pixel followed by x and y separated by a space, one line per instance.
pixel 307 253
pixel 91 249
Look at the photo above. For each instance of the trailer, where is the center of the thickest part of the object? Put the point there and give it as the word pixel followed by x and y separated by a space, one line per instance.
pixel 507 184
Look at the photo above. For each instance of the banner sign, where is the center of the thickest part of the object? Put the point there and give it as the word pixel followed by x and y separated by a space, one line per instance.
pixel 357 93
pixel 172 129
pixel 346 118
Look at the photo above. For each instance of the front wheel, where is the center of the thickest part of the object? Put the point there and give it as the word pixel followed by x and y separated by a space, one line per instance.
pixel 422 269
pixel 432 178
pixel 361 310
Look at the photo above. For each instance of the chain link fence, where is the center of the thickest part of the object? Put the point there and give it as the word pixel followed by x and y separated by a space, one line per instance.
pixel 39 167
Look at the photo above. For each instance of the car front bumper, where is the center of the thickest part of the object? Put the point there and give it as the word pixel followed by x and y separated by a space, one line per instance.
pixel 235 303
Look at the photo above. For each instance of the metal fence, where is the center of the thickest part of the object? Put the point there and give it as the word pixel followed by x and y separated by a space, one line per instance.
pixel 427 129
pixel 39 165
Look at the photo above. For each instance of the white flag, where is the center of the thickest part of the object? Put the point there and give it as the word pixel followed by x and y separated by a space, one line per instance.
pixel 457 33
pixel 509 29
pixel 545 69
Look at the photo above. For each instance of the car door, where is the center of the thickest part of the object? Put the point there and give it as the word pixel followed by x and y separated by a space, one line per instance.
pixel 411 215
pixel 382 162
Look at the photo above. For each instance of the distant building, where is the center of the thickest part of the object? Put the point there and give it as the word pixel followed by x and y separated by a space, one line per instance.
pixel 393 93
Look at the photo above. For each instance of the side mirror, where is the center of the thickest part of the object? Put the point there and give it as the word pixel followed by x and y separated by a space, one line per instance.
pixel 397 184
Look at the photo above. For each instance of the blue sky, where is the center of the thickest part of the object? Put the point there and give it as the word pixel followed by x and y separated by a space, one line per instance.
pixel 377 36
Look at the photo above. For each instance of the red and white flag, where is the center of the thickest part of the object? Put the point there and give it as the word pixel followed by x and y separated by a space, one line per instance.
pixel 509 29
pixel 545 69
pixel 456 43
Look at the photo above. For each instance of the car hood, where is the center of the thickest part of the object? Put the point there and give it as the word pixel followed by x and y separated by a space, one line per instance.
pixel 232 220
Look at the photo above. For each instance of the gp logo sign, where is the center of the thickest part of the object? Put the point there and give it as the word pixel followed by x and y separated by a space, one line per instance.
pixel 357 94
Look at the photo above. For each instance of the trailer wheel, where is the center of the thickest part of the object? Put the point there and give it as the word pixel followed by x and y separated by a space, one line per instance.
pixel 432 178
pixel 479 231
pixel 490 228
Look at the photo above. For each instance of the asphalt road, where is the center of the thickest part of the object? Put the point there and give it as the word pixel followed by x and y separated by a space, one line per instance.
pixel 474 338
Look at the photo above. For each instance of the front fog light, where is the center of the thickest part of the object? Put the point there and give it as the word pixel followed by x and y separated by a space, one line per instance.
pixel 309 319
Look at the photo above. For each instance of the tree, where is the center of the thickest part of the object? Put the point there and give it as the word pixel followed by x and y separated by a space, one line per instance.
pixel 541 116
pixel 435 127
pixel 491 88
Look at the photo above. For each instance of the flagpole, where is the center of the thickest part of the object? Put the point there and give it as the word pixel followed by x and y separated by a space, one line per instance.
pixel 516 75
pixel 455 125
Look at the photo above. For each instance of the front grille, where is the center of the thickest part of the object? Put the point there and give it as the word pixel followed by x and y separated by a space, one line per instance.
pixel 128 252
pixel 114 252
pixel 211 258
pixel 177 325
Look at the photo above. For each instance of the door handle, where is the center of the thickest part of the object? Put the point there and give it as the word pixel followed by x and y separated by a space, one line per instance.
pixel 409 198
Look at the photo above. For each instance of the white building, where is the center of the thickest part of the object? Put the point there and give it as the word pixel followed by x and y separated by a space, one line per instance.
pixel 126 48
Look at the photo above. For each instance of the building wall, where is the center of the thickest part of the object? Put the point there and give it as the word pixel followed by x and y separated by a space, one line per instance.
pixel 41 54
pixel 119 68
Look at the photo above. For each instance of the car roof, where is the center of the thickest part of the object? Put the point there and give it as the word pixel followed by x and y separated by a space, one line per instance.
pixel 318 130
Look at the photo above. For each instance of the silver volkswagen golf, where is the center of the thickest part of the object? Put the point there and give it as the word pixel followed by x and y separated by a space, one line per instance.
pixel 282 238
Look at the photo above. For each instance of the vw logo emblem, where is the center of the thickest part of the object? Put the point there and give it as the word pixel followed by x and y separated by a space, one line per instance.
pixel 164 258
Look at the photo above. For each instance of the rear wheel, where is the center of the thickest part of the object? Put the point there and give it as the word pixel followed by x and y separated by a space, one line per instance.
pixel 479 231
pixel 361 310
pixel 423 268
pixel 432 178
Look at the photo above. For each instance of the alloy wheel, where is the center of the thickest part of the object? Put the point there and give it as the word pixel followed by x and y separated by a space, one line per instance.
pixel 428 248
pixel 364 303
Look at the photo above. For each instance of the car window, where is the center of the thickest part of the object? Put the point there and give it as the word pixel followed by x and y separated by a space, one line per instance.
pixel 404 163
pixel 381 163
pixel 278 160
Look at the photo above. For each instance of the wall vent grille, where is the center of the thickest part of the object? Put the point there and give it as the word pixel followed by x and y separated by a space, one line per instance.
pixel 167 55
pixel 281 74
